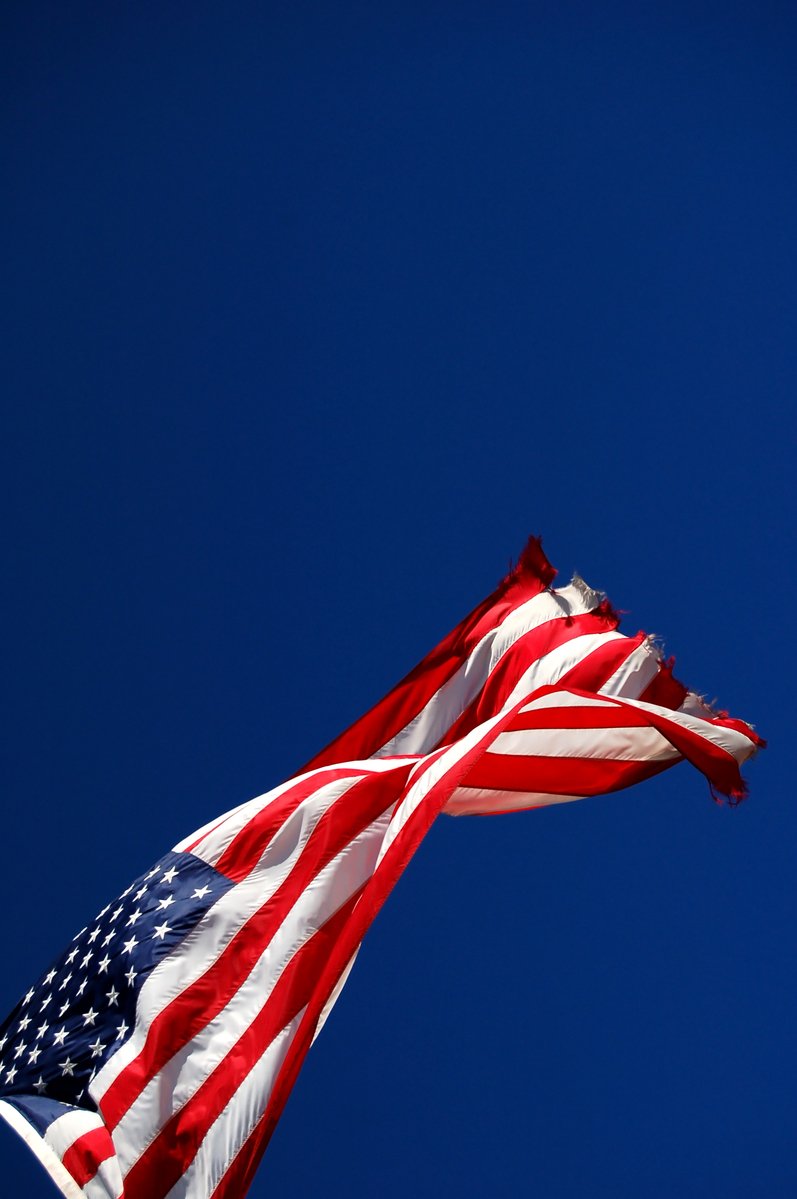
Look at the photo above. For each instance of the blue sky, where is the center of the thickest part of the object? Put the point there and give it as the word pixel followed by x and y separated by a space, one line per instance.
pixel 313 313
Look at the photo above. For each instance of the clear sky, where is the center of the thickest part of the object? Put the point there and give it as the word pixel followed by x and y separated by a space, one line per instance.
pixel 312 313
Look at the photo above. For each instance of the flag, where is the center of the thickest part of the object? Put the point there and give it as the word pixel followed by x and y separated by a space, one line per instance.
pixel 154 1057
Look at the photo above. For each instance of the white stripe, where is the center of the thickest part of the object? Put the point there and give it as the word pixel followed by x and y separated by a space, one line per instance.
pixel 179 1080
pixel 448 703
pixel 62 1134
pixel 481 801
pixel 634 674
pixel 200 833
pixel 229 1131
pixel 548 670
pixel 211 935
pixel 220 833
pixel 417 791
pixel 44 1152
pixel 565 699
pixel 106 1182
pixel 695 705
pixel 737 744
pixel 633 744
pixel 65 1130
pixel 335 994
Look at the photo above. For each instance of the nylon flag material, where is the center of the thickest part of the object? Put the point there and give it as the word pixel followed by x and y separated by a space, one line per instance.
pixel 154 1057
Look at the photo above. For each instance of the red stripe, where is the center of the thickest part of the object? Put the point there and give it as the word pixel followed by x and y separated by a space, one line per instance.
pixel 208 832
pixel 739 726
pixel 586 716
pixel 248 846
pixel 527 650
pixel 560 776
pixel 167 1158
pixel 84 1156
pixel 177 1024
pixel 664 690
pixel 590 674
pixel 595 670
pixel 395 711
pixel 717 764
pixel 242 1169
pixel 240 1174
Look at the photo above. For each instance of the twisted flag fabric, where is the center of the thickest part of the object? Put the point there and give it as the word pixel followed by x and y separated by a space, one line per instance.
pixel 154 1057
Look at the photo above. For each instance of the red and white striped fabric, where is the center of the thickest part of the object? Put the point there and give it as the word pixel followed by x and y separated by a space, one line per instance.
pixel 534 699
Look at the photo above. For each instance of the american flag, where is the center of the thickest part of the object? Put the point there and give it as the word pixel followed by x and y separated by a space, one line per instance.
pixel 154 1057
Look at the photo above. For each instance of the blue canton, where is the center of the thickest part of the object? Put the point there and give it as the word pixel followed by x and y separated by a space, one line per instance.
pixel 76 1016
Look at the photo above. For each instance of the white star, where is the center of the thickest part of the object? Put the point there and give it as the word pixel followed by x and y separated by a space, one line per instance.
pixel 11 1074
pixel 141 891
pixel 33 1056
pixel 113 996
pixel 46 1001
pixel 65 982
pixel 49 978
pixel 42 1030
pixel 3 1041
pixel 133 917
pixel 169 874
pixel 153 872
pixel 107 939
pixel 122 1031
pixel 103 965
pixel 64 1008
pixel 60 1036
pixel 40 1085
pixel 161 930
pixel 81 988
pixel 117 913
pixel 77 936
pixel 96 1048
pixel 71 956
pixel 104 910
pixel 20 1049
pixel 127 892
pixel 95 932
pixel 130 945
pixel 90 1016
pixel 130 976
pixel 200 892
pixel 86 959
pixel 29 996
pixel 68 1067
pixel 24 1022
pixel 167 902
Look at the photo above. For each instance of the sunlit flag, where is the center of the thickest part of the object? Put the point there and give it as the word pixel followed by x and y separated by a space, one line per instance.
pixel 155 1056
